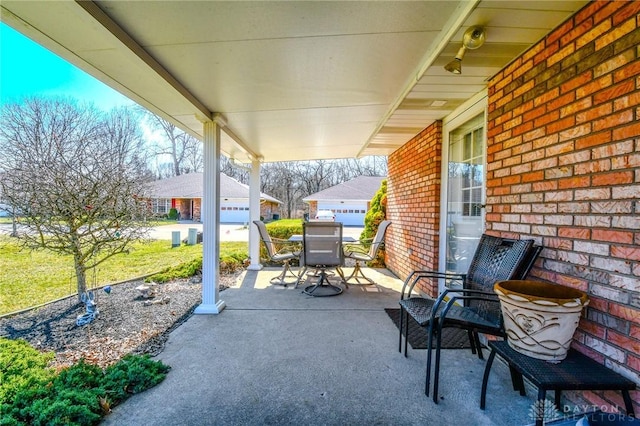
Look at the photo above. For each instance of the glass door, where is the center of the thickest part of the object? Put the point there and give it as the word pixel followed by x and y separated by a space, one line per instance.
pixel 465 189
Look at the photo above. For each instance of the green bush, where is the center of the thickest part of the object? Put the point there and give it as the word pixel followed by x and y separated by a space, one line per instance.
pixel 21 366
pixel 131 375
pixel 173 214
pixel 183 270
pixel 31 393
pixel 232 260
pixel 282 229
pixel 376 214
pixel 233 256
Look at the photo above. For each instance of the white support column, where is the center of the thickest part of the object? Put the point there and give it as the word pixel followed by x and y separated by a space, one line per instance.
pixel 254 214
pixel 211 221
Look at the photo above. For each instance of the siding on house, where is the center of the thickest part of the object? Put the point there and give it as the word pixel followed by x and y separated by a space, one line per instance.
pixel 563 167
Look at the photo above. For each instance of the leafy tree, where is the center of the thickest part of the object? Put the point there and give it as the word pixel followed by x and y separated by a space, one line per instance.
pixel 77 176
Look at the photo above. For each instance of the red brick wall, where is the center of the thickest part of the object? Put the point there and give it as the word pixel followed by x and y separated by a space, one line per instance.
pixel 564 168
pixel 413 204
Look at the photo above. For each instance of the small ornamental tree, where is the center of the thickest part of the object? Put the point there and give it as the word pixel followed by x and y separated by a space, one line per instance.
pixel 76 176
pixel 376 214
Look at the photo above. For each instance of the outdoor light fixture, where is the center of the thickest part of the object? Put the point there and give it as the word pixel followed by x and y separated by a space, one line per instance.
pixel 472 39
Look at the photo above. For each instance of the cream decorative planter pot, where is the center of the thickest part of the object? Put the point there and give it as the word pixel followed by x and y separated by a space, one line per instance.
pixel 540 318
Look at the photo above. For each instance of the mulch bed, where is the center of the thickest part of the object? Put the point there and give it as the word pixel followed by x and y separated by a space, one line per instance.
pixel 125 323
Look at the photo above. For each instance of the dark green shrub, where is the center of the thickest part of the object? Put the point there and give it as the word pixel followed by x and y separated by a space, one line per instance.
pixel 173 214
pixel 31 393
pixel 21 366
pixel 131 375
pixel 376 214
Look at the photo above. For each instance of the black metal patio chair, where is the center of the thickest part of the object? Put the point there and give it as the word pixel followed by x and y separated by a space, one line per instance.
pixel 365 251
pixel 495 259
pixel 280 251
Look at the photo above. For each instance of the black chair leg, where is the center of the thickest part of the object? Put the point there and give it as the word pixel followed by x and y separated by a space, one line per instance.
pixel 472 341
pixel 400 330
pixel 429 349
pixel 436 368
pixel 406 332
pixel 478 345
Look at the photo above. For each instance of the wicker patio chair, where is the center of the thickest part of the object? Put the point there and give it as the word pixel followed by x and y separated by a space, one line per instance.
pixel 495 259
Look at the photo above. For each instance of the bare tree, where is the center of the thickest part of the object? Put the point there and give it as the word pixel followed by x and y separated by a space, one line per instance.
pixel 241 174
pixel 183 150
pixel 77 177
pixel 290 182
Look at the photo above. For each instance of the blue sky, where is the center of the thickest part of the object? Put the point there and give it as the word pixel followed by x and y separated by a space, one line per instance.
pixel 27 69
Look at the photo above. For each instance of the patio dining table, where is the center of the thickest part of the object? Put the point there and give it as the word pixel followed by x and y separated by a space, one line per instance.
pixel 297 238
pixel 321 238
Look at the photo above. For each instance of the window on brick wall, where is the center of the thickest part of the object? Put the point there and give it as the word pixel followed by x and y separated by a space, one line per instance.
pixel 465 183
pixel 161 205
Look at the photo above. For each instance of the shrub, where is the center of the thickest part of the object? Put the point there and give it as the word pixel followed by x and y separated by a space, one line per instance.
pixel 232 257
pixel 183 270
pixel 376 214
pixel 282 229
pixel 31 393
pixel 173 214
pixel 21 366
pixel 131 375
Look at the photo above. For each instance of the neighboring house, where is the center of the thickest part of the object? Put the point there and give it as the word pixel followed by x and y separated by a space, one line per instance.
pixel 184 193
pixel 349 200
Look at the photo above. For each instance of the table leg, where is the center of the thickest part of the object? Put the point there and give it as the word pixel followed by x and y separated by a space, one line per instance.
pixel 485 379
pixel 558 395
pixel 542 395
pixel 517 381
pixel 628 405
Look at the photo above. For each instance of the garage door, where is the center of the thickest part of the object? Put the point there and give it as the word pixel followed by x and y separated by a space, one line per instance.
pixel 234 213
pixel 350 214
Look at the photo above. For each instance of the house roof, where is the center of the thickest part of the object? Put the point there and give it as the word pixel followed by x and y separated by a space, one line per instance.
pixel 190 186
pixel 362 188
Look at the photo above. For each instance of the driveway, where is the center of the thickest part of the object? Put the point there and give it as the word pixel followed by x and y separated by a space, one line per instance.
pixel 233 232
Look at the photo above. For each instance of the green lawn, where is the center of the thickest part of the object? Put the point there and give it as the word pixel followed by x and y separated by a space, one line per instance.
pixel 30 278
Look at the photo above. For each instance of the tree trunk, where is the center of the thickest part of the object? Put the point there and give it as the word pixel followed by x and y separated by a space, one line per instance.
pixel 81 275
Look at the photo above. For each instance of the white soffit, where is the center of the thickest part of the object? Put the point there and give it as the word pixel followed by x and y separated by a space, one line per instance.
pixel 294 80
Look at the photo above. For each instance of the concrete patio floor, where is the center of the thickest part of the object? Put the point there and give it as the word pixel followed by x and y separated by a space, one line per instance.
pixel 277 356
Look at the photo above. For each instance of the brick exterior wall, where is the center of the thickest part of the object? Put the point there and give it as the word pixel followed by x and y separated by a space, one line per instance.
pixel 564 168
pixel 268 209
pixel 413 204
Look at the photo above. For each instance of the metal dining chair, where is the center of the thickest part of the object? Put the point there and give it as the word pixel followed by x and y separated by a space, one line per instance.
pixel 280 251
pixel 322 250
pixel 365 251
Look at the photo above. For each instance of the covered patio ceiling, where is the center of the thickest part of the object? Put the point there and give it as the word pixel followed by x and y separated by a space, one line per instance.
pixel 290 80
